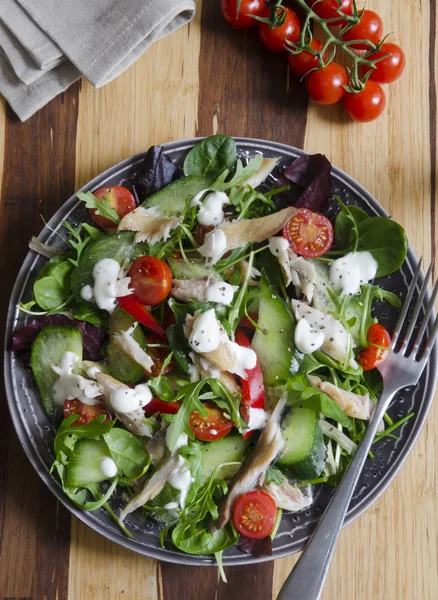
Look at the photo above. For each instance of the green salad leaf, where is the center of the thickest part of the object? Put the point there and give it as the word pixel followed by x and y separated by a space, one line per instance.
pixel 102 207
pixel 211 156
pixel 52 286
pixel 127 452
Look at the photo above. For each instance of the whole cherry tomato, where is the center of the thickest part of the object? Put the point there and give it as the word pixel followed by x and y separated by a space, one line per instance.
pixel 274 39
pixel 151 279
pixel 326 86
pixel 370 27
pixel 300 64
pixel 390 68
pixel 328 9
pixel 366 105
pixel 120 198
pixel 241 18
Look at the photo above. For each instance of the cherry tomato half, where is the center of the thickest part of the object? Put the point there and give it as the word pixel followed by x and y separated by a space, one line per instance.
pixel 242 19
pixel 327 9
pixel 326 86
pixel 151 280
pixel 160 406
pixel 300 64
pixel 274 39
pixel 158 355
pixel 86 412
pixel 309 234
pixel 378 338
pixel 390 68
pixel 120 199
pixel 255 514
pixel 366 105
pixel 370 27
pixel 212 427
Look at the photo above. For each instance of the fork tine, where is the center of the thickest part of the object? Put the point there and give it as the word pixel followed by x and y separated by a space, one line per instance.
pixel 427 314
pixel 431 341
pixel 417 309
pixel 405 308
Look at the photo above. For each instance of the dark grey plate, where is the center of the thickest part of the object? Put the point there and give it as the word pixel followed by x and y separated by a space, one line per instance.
pixel 36 433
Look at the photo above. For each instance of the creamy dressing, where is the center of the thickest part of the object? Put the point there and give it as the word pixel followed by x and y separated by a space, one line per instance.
pixel 209 369
pixel 349 272
pixel 307 339
pixel 210 212
pixel 87 293
pixel 108 467
pixel 278 245
pixel 194 372
pixel 105 275
pixel 221 293
pixel 70 386
pixel 126 400
pixel 171 505
pixel 196 200
pixel 181 479
pixel 257 418
pixel 92 372
pixel 214 246
pixel 245 357
pixel 182 440
pixel 206 332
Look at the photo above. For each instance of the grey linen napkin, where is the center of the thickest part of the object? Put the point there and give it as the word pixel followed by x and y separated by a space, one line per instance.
pixel 47 45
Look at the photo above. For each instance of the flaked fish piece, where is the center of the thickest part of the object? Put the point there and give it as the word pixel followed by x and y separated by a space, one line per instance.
pixel 288 496
pixel 353 405
pixel 192 289
pixel 266 168
pixel 228 380
pixel 338 343
pixel 133 421
pixel 266 450
pixel 156 446
pixel 133 349
pixel 299 271
pixel 152 488
pixel 149 224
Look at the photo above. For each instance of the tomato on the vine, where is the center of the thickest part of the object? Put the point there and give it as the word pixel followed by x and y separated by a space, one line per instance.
pixel 300 64
pixel 255 514
pixel 212 427
pixel 151 280
pixel 378 339
pixel 274 39
pixel 120 198
pixel 370 27
pixel 327 9
pixel 326 86
pixel 390 68
pixel 309 234
pixel 241 19
pixel 86 412
pixel 367 104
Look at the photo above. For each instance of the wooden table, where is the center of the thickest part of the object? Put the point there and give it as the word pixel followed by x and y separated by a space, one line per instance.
pixel 202 80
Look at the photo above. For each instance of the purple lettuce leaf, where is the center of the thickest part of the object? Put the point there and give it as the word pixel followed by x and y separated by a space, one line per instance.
pixel 310 181
pixel 92 337
pixel 257 548
pixel 156 171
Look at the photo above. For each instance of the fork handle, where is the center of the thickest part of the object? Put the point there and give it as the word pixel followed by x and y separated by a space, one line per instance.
pixel 306 580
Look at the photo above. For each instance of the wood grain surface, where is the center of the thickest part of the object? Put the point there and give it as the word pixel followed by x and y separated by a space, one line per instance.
pixel 206 79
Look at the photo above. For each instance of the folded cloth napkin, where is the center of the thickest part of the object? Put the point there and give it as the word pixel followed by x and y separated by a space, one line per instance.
pixel 47 45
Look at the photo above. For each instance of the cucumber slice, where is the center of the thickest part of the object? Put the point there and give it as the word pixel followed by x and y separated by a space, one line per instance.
pixel 119 247
pixel 230 448
pixel 84 464
pixel 194 270
pixel 121 366
pixel 274 339
pixel 47 350
pixel 173 198
pixel 304 449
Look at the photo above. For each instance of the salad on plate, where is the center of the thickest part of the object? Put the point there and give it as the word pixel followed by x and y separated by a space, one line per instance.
pixel 204 343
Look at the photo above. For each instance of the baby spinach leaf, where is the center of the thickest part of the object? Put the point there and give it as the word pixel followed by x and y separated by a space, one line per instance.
pixel 179 344
pixel 211 156
pixel 52 286
pixel 93 316
pixel 387 242
pixel 127 452
pixel 346 226
pixel 197 539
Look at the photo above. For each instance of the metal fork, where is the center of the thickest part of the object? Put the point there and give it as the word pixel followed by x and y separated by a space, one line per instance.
pixel 401 368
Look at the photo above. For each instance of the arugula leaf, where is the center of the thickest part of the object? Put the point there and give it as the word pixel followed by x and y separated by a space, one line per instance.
pixel 240 177
pixel 238 306
pixel 274 475
pixel 79 496
pixel 102 207
pixel 228 402
pixel 179 344
pixel 127 452
pixel 189 395
pixel 211 156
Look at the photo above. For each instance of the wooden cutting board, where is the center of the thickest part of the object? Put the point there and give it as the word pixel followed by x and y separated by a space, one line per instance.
pixel 205 79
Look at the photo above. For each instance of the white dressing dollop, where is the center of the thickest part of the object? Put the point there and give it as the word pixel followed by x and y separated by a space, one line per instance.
pixel 209 369
pixel 245 357
pixel 69 385
pixel 92 372
pixel 105 275
pixel 171 505
pixel 221 293
pixel 307 339
pixel 278 245
pixel 214 246
pixel 108 467
pixel 257 418
pixel 128 400
pixel 206 332
pixel 210 212
pixel 349 272
pixel 87 293
pixel 181 479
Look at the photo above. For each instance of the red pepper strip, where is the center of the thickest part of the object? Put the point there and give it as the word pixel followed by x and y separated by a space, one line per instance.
pixel 245 322
pixel 141 314
pixel 253 390
pixel 157 405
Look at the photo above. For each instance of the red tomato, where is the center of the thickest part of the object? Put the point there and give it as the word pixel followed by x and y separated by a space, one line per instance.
pixel 309 234
pixel 242 19
pixel 389 69
pixel 158 355
pixel 366 105
pixel 157 405
pixel 255 514
pixel 120 199
pixel 370 27
pixel 300 64
pixel 86 412
pixel 378 338
pixel 246 323
pixel 151 280
pixel 212 427
pixel 274 39
pixel 141 314
pixel 327 9
pixel 326 86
